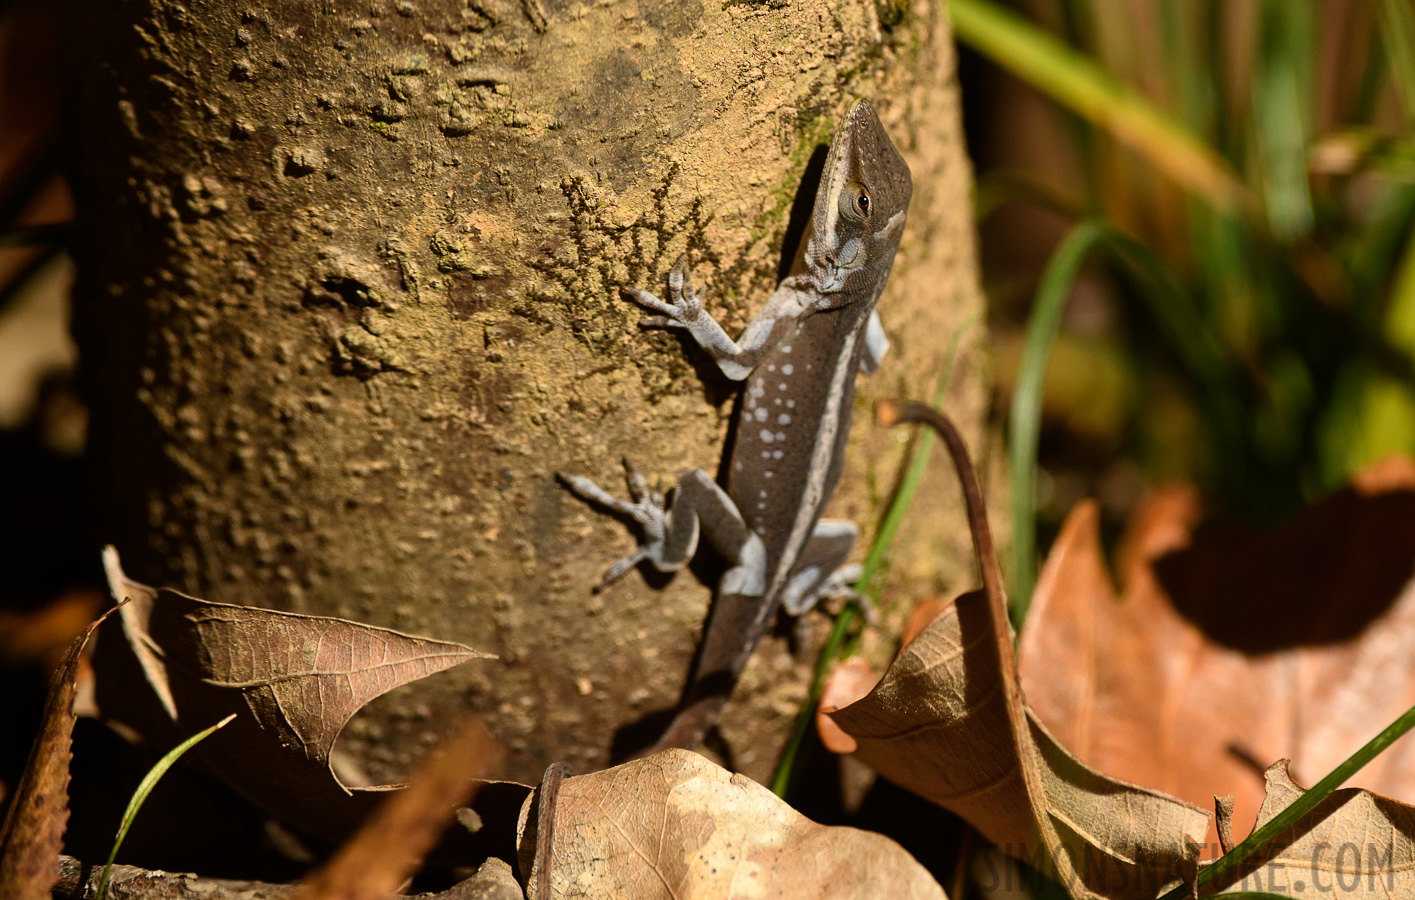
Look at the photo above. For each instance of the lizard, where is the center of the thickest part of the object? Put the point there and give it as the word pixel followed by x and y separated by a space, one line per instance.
pixel 799 359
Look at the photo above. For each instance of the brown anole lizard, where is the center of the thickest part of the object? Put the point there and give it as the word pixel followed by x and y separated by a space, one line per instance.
pixel 798 359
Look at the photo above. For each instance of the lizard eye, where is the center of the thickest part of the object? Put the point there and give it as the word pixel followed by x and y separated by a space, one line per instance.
pixel 855 203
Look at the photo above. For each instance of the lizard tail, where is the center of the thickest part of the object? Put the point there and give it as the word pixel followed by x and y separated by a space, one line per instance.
pixel 735 626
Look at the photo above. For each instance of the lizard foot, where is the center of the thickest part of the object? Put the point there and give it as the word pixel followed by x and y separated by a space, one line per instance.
pixel 838 586
pixel 684 304
pixel 646 509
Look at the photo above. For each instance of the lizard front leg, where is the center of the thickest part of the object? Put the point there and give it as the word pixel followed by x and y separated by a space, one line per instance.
pixel 736 359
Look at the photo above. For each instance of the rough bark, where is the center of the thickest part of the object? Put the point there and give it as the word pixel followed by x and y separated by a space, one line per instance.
pixel 348 299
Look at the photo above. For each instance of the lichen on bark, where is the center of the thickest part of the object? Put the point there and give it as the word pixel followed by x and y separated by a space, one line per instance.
pixel 349 298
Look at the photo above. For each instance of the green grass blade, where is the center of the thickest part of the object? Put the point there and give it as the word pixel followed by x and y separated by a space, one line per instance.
pixel 1282 111
pixel 1079 84
pixel 145 787
pixel 1181 30
pixel 1192 340
pixel 884 539
pixel 1194 344
pixel 1400 313
pixel 1024 422
pixel 1301 806
pixel 1397 27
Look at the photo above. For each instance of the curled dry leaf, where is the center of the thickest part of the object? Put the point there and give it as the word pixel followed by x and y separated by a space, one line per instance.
pixel 1354 844
pixel 292 680
pixel 1228 649
pixel 948 722
pixel 33 831
pixel 676 826
pixel 939 725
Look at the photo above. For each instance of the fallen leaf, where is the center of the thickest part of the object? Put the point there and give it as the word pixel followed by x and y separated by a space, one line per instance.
pixel 1353 844
pixel 948 722
pixel 391 844
pixel 850 680
pixel 293 681
pixel 674 825
pixel 853 678
pixel 1230 648
pixel 33 831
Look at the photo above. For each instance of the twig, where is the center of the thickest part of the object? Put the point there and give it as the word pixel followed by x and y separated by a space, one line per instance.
pixel 545 824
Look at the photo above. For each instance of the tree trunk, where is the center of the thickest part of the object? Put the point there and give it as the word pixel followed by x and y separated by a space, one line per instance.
pixel 349 299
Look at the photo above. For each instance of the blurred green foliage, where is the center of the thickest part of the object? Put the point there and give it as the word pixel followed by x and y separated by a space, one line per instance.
pixel 1251 164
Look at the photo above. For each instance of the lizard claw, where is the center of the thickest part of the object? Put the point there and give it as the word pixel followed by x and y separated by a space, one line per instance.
pixel 638 487
pixel 617 571
pixel 680 280
pixel 684 304
pixel 646 300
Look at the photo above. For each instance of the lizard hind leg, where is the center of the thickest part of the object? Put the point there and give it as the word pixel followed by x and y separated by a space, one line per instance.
pixel 669 527
pixel 821 570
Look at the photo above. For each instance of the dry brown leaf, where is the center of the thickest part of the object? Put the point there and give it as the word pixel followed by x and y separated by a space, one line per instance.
pixel 948 722
pixel 850 680
pixel 1353 844
pixel 938 724
pixel 1231 648
pixel 393 842
pixel 292 680
pixel 676 826
pixel 33 831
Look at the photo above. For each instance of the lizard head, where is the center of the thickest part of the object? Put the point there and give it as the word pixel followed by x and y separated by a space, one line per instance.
pixel 860 206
